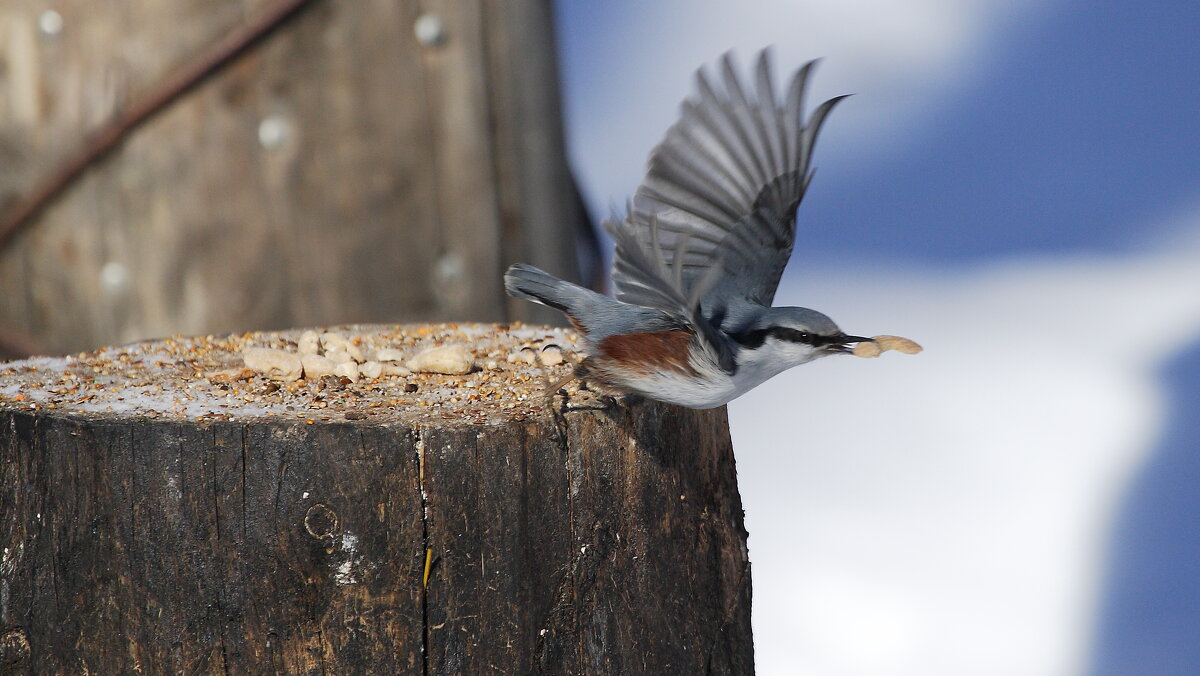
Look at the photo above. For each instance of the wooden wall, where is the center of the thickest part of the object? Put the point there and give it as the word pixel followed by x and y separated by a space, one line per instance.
pixel 342 170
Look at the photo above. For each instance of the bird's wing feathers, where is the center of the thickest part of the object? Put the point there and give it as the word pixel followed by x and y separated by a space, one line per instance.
pixel 717 207
pixel 653 282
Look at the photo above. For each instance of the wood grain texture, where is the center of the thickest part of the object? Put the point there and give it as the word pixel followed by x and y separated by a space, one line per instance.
pixel 585 542
pixel 540 206
pixel 402 180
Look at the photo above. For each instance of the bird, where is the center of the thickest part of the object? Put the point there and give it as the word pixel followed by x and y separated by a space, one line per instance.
pixel 700 251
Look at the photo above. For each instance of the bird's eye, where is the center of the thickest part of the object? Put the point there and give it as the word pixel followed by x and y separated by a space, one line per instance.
pixel 789 334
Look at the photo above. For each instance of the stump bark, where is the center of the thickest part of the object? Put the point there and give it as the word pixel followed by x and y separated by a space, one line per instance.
pixel 405 538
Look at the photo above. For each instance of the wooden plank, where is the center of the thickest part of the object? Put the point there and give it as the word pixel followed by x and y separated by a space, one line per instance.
pixel 670 550
pixel 539 204
pixel 300 576
pixel 495 500
pixel 340 172
pixel 71 82
pixel 626 523
pixel 466 256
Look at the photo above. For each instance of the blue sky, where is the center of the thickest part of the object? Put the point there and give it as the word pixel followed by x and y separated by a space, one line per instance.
pixel 1079 120
pixel 1152 604
pixel 1017 185
pixel 1083 123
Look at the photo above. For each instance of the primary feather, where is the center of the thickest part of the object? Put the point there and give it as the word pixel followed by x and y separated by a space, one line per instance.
pixel 717 207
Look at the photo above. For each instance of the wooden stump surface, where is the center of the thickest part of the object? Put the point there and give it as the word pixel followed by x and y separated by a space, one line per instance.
pixel 152 520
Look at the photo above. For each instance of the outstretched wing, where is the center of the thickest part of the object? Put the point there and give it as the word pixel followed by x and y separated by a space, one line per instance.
pixel 719 200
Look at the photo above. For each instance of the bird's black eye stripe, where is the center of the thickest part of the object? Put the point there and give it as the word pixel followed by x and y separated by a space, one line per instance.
pixel 751 339
pixel 793 335
pixel 755 339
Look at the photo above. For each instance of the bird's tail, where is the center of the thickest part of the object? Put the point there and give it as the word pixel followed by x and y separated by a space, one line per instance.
pixel 539 286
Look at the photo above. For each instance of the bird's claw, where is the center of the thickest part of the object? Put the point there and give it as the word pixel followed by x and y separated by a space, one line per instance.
pixel 585 398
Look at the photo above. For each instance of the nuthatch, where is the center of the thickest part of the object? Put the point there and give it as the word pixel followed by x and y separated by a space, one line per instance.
pixel 700 252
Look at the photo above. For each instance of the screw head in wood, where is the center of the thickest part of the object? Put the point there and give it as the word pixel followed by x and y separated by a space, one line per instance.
pixel 450 270
pixel 114 278
pixel 430 30
pixel 274 131
pixel 50 23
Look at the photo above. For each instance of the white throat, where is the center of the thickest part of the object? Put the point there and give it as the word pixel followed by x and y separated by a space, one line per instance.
pixel 757 365
pixel 711 386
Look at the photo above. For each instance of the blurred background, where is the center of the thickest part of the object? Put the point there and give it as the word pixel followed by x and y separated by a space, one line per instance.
pixel 1014 185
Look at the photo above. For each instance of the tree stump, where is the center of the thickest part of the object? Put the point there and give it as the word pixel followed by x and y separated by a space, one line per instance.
pixel 164 511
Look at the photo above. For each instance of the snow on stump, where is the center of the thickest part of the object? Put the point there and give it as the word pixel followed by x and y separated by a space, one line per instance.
pixel 412 503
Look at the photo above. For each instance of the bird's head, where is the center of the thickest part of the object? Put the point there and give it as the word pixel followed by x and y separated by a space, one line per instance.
pixel 789 336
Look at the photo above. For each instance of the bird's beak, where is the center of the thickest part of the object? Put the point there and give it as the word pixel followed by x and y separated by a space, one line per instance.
pixel 841 343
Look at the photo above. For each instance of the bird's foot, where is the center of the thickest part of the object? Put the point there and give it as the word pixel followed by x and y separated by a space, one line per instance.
pixel 583 395
pixel 586 400
pixel 581 392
